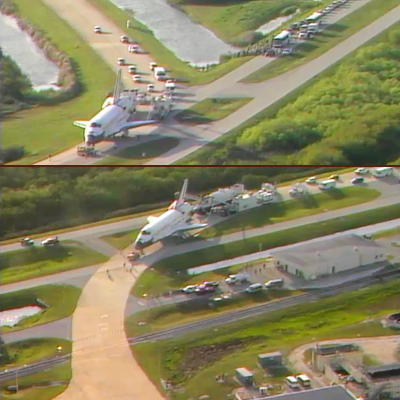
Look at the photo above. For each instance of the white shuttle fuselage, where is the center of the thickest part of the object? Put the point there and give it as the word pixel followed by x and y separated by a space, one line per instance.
pixel 114 116
pixel 174 221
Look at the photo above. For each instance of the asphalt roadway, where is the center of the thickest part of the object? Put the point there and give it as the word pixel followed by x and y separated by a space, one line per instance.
pixel 82 17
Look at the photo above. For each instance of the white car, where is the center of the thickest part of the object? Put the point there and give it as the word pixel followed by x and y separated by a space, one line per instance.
pixel 170 84
pixel 302 35
pixel 362 171
pixel 152 65
pixel 133 48
pixel 97 29
pixel 286 52
pixel 311 180
pixel 150 88
pixel 124 39
pixel 132 69
pixel 50 241
pixel 235 279
pixel 189 289
pixel 137 78
pixel 121 61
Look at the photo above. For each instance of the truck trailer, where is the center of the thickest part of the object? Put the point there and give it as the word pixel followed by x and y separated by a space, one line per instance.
pixel 328 184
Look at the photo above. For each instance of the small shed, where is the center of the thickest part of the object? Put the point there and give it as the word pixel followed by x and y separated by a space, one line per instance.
pixel 270 360
pixel 244 376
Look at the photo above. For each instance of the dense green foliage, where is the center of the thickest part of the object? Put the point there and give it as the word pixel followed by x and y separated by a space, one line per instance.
pixel 349 116
pixel 14 85
pixel 39 199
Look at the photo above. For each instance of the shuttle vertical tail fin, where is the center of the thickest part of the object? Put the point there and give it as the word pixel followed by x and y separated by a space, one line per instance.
pixel 182 194
pixel 118 87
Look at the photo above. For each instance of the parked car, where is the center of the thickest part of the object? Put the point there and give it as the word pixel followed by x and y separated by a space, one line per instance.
pixel 211 284
pixel 124 39
pixel 274 283
pixel 133 256
pixel 236 278
pixel 121 61
pixel 150 88
pixel 336 177
pixel 132 69
pixel 255 287
pixel 50 241
pixel 137 78
pixel 27 242
pixel 302 35
pixel 170 84
pixel 97 29
pixel 133 48
pixel 152 65
pixel 311 180
pixel 189 289
pixel 358 179
pixel 362 171
pixel 286 52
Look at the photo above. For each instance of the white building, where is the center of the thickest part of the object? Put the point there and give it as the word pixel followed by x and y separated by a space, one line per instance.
pixel 330 256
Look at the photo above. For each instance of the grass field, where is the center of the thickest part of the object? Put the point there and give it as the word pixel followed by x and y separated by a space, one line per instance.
pixel 61 300
pixel 292 209
pixel 33 262
pixel 48 130
pixel 160 53
pixel 163 275
pixel 33 350
pixel 175 314
pixel 134 155
pixel 329 38
pixel 121 240
pixel 387 234
pixel 60 373
pixel 210 110
pixel 193 361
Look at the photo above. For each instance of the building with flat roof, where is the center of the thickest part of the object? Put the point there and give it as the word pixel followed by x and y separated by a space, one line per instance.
pixel 326 257
pixel 325 393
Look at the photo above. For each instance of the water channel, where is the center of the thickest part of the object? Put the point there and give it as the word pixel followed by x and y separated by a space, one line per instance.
pixel 12 317
pixel 22 49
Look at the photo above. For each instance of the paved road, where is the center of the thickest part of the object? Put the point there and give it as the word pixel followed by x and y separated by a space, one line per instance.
pixel 99 370
pixel 82 18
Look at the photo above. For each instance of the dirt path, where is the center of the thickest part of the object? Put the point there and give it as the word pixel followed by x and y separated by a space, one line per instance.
pixel 372 346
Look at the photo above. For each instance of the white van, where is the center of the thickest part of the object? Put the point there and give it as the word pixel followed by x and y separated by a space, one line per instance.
pixel 255 287
pixel 160 73
pixel 382 171
pixel 304 380
pixel 328 184
pixel 274 283
pixel 292 382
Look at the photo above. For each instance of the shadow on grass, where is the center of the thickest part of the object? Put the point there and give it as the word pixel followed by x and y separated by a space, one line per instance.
pixel 308 201
pixel 193 117
pixel 306 47
pixel 337 28
pixel 336 194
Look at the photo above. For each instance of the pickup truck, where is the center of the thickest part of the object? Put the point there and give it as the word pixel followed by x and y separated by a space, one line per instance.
pixel 237 278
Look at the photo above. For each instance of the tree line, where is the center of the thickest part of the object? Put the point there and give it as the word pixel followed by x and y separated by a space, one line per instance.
pixel 41 199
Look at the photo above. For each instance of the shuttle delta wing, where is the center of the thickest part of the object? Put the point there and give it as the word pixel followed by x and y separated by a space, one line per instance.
pixel 134 124
pixel 190 227
pixel 81 124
